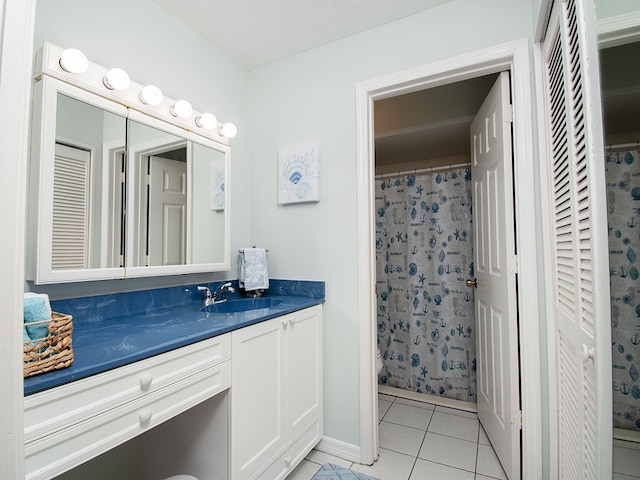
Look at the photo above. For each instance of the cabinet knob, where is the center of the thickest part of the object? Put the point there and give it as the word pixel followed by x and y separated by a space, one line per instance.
pixel 287 461
pixel 285 323
pixel 145 416
pixel 145 380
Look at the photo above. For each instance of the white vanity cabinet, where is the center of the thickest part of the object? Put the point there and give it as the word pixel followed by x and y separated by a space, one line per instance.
pixel 70 424
pixel 276 398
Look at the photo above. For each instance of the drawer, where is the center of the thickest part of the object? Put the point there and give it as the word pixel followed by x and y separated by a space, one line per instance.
pixel 52 410
pixel 56 453
pixel 283 463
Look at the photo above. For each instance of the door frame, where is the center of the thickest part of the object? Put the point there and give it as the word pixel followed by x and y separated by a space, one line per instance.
pixel 515 58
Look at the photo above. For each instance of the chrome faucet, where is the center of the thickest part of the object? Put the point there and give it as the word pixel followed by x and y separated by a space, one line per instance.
pixel 218 295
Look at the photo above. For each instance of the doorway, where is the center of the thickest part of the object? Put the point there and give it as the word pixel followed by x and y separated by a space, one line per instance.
pixel 620 90
pixel 425 313
pixel 446 303
pixel 511 57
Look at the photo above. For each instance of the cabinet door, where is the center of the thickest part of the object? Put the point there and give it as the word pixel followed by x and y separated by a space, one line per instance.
pixel 257 395
pixel 304 369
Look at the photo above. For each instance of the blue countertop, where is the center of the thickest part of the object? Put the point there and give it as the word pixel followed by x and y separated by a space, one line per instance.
pixel 111 331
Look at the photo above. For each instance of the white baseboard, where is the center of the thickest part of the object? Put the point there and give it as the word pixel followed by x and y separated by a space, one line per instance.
pixel 339 448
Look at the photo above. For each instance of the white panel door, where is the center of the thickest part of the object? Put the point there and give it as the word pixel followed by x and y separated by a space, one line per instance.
pixel 580 314
pixel 495 265
pixel 167 221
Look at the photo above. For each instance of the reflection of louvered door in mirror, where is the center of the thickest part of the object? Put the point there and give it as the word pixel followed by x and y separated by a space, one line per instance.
pixel 71 204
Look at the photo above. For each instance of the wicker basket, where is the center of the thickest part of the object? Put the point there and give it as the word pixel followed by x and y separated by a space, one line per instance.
pixel 52 352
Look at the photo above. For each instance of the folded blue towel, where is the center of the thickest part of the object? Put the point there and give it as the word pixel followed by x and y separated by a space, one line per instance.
pixel 252 269
pixel 36 308
pixel 25 335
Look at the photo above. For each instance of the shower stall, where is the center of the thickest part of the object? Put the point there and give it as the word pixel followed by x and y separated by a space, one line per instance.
pixel 425 311
pixel 623 206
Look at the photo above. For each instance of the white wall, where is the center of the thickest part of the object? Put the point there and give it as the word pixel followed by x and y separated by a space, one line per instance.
pixel 310 97
pixel 613 8
pixel 155 48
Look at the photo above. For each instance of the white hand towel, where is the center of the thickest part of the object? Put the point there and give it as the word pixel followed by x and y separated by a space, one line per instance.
pixel 252 269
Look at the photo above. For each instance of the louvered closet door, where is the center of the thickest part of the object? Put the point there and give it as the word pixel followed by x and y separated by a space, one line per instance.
pixel 581 318
pixel 70 236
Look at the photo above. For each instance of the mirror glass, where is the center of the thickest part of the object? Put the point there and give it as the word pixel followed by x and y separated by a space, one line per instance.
pixel 208 193
pixel 87 191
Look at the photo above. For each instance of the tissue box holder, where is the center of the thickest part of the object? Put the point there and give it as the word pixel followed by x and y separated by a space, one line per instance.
pixel 53 352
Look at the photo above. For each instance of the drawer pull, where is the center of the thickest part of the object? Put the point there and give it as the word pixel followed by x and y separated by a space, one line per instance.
pixel 145 381
pixel 145 416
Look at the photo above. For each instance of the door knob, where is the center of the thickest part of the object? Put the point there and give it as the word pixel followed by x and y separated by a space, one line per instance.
pixel 472 283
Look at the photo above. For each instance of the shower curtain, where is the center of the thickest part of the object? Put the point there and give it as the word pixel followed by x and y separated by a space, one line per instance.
pixel 623 204
pixel 425 313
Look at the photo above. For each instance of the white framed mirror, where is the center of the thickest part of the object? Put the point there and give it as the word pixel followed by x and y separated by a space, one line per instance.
pixel 116 193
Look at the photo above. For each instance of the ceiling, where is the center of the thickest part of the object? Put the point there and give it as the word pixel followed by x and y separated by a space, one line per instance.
pixel 258 32
pixel 620 85
pixel 428 124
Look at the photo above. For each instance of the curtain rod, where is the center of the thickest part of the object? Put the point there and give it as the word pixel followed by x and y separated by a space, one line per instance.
pixel 423 170
pixel 623 145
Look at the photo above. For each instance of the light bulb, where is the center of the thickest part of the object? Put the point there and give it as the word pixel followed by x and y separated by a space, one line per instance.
pixel 73 61
pixel 207 120
pixel 181 108
pixel 150 95
pixel 116 79
pixel 228 130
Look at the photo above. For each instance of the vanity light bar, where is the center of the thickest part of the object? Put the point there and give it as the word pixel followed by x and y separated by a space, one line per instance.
pixel 71 66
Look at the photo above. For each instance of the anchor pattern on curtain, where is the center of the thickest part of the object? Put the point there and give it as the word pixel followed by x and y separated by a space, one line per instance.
pixel 425 311
pixel 623 205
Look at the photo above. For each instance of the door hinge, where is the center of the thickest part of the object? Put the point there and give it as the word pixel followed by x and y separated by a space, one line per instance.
pixel 512 266
pixel 148 179
pixel 508 113
pixel 121 260
pixel 121 177
pixel 517 419
pixel 146 261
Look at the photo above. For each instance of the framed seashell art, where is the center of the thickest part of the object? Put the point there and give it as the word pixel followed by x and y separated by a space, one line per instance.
pixel 299 173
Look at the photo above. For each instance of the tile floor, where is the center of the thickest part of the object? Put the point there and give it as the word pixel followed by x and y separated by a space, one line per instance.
pixel 626 463
pixel 421 442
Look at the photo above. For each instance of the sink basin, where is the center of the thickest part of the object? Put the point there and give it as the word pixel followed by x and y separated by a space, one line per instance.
pixel 242 305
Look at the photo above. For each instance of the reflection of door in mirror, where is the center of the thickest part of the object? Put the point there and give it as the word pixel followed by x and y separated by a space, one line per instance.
pixel 167 208
pixel 156 227
pixel 88 186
